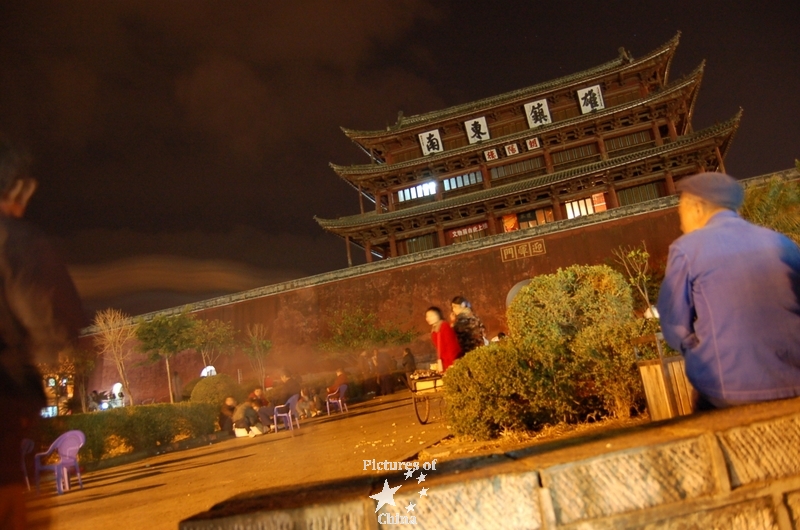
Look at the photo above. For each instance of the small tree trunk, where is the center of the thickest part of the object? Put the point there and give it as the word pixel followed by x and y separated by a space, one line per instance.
pixel 169 382
pixel 82 393
pixel 125 384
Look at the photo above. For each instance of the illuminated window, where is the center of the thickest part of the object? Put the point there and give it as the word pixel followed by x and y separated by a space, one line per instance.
pixel 462 181
pixel 425 189
pixel 536 217
pixel 595 203
pixel 579 208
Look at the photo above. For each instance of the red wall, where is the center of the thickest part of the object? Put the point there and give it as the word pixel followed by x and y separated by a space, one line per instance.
pixel 295 318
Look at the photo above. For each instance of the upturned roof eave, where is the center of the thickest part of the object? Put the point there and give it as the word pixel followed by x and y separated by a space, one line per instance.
pixel 728 127
pixel 362 172
pixel 419 120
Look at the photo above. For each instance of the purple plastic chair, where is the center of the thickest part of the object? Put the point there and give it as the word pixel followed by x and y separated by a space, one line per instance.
pixel 337 398
pixel 286 411
pixel 67 445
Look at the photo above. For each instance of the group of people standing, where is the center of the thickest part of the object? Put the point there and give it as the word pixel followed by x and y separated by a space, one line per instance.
pixel 460 335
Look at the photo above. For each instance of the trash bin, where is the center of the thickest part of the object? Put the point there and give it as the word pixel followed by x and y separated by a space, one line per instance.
pixel 669 392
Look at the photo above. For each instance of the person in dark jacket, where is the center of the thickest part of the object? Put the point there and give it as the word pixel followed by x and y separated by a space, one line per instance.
pixel 40 315
pixel 226 415
pixel 246 421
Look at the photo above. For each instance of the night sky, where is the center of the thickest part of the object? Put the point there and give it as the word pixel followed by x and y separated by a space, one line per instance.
pixel 203 130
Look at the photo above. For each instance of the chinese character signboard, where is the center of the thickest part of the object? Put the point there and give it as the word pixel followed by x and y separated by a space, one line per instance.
pixel 512 149
pixel 532 143
pixel 538 113
pixel 590 99
pixel 522 250
pixel 430 142
pixel 477 130
pixel 467 230
pixel 490 155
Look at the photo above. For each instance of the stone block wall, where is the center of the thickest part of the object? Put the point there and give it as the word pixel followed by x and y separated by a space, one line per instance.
pixel 745 477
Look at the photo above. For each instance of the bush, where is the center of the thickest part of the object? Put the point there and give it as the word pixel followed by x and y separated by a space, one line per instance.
pixel 215 388
pixel 490 390
pixel 140 428
pixel 569 355
pixel 186 391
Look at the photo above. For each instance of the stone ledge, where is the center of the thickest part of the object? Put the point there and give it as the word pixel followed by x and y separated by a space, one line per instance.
pixel 683 480
pixel 510 498
pixel 762 451
pixel 631 480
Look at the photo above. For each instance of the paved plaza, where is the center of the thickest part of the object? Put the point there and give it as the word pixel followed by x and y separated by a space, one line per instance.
pixel 158 492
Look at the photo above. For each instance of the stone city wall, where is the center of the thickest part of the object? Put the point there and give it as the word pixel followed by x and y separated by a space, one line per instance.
pixel 399 290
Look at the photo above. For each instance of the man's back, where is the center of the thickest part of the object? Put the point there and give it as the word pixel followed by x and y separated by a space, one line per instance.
pixel 731 301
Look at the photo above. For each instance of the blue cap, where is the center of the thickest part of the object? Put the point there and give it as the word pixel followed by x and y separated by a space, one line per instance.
pixel 717 188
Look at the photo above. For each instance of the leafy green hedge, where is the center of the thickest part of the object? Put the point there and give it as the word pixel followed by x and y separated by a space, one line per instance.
pixel 569 355
pixel 128 429
pixel 215 388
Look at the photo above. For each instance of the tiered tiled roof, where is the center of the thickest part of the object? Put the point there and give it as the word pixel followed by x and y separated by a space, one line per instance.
pixel 725 130
pixel 357 173
pixel 620 64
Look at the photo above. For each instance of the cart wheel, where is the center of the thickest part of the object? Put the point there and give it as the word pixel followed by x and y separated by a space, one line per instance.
pixel 422 408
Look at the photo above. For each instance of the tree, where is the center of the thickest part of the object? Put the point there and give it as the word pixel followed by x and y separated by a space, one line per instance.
pixel 636 261
pixel 114 330
pixel 257 347
pixel 776 205
pixel 352 329
pixel 164 336
pixel 83 362
pixel 212 339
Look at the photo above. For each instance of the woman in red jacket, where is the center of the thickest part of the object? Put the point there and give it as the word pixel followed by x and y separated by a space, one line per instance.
pixel 443 336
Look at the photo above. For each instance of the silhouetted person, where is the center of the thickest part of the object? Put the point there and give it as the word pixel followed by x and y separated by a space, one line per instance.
pixel 226 415
pixel 40 314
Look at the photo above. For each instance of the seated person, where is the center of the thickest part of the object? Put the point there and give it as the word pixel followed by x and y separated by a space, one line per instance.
pixel 260 400
pixel 226 415
pixel 246 421
pixel 288 388
pixel 308 404
pixel 341 379
pixel 257 396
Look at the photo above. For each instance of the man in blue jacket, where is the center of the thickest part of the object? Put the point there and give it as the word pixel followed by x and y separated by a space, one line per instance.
pixel 730 299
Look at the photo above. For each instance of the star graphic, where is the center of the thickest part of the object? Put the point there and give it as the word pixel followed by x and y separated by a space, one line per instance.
pixel 386 496
pixel 423 491
pixel 410 507
pixel 421 478
pixel 409 474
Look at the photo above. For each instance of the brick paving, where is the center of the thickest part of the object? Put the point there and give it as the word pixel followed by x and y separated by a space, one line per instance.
pixel 158 492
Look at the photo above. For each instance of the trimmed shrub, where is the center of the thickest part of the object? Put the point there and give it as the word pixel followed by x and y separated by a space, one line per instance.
pixel 215 388
pixel 140 428
pixel 186 391
pixel 490 390
pixel 569 355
